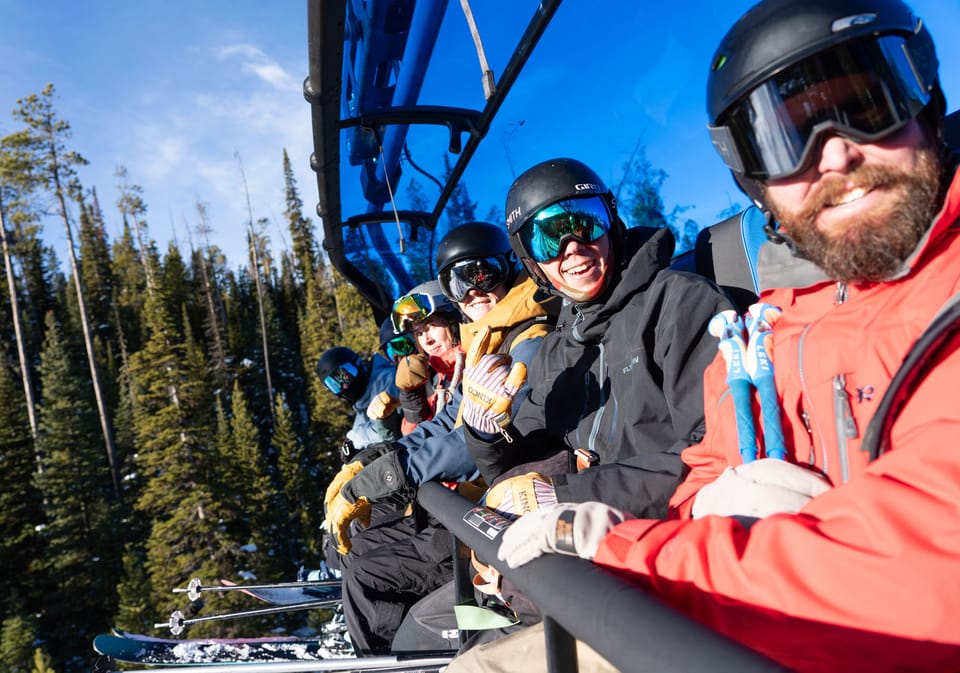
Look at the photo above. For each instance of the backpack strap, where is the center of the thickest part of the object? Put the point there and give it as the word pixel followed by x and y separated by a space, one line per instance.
pixel 927 349
pixel 522 327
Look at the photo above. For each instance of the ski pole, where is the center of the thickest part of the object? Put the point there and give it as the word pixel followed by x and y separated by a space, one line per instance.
pixel 728 327
pixel 759 364
pixel 177 621
pixel 194 588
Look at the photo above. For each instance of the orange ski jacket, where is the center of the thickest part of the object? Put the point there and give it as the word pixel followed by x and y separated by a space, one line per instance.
pixel 867 575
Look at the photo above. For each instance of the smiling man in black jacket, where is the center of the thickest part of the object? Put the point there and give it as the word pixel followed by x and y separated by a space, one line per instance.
pixel 618 386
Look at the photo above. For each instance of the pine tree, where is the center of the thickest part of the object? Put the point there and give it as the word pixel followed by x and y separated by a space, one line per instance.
pixel 82 551
pixel 642 205
pixel 21 514
pixel 302 508
pixel 213 322
pixel 57 173
pixel 137 610
pixel 301 229
pixel 459 208
pixel 42 662
pixel 16 184
pixel 18 633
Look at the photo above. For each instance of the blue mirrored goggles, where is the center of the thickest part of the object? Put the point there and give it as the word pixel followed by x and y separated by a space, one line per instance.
pixel 399 347
pixel 476 273
pixel 544 235
pixel 865 90
pixel 341 378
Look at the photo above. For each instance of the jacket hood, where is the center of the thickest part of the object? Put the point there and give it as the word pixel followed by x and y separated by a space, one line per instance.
pixel 648 251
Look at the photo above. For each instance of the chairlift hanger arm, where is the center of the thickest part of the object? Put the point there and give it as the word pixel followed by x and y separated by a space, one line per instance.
pixel 458 120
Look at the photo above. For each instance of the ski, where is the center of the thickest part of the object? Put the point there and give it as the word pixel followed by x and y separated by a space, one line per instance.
pixel 250 655
pixel 387 664
pixel 288 594
pixel 160 651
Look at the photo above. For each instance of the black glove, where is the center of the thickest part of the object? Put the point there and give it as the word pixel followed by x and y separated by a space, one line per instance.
pixel 382 479
pixel 373 451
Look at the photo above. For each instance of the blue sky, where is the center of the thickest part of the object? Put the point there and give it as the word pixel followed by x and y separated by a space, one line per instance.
pixel 173 90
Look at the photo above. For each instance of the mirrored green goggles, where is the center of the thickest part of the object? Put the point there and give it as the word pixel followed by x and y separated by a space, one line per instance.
pixel 544 235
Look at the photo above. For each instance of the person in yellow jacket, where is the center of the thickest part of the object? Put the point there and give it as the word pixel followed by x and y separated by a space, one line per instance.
pixel 388 566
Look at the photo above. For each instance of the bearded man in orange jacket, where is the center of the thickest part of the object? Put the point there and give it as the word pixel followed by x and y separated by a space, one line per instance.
pixel 845 555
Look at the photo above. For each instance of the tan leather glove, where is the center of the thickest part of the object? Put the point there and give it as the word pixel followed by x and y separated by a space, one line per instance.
pixel 346 473
pixel 521 495
pixel 339 516
pixel 383 405
pixel 413 371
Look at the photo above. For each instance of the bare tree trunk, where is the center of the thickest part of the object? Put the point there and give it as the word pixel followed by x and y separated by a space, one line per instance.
pixel 21 348
pixel 88 343
pixel 208 290
pixel 255 270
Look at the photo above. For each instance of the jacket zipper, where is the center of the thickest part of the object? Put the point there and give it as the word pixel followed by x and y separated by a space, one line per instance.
pixel 846 426
pixel 805 417
pixel 595 430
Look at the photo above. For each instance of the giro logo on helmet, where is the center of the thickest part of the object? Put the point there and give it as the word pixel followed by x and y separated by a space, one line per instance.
pixel 850 21
pixel 586 185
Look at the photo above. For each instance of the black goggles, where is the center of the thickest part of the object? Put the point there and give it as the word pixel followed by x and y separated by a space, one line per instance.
pixel 864 90
pixel 477 273
pixel 341 378
pixel 543 235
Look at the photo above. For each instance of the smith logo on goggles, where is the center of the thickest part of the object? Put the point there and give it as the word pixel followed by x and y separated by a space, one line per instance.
pixel 478 273
pixel 544 234
pixel 865 90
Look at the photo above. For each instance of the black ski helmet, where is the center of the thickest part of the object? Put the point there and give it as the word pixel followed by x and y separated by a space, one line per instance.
pixel 335 358
pixel 549 182
pixel 777 34
pixel 473 240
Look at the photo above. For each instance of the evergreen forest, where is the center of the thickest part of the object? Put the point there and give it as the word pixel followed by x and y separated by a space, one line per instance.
pixel 160 418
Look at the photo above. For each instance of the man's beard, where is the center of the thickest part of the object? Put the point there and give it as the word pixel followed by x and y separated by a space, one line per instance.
pixel 873 247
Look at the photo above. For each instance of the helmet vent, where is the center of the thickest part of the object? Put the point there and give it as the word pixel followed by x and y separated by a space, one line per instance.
pixel 847 22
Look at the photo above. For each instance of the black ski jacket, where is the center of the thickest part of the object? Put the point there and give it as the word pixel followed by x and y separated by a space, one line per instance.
pixel 621 377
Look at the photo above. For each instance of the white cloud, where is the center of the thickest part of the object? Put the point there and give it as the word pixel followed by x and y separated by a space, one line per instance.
pixel 255 61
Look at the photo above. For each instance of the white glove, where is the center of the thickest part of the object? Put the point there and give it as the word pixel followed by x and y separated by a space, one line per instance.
pixel 573 529
pixel 758 489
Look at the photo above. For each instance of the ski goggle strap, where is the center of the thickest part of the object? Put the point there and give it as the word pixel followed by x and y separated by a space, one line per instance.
pixel 477 273
pixel 864 90
pixel 341 378
pixel 399 346
pixel 411 308
pixel 543 235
